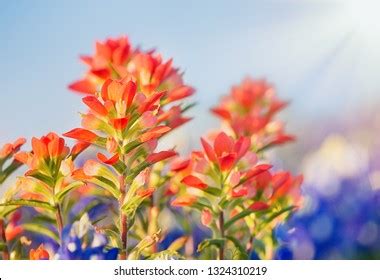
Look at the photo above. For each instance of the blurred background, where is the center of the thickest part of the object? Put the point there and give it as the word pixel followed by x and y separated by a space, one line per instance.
pixel 323 56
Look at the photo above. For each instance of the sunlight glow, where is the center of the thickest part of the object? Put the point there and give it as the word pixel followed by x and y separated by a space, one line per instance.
pixel 365 14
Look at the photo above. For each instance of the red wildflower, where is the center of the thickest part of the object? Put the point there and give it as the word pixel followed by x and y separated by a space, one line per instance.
pixel 249 110
pixel 110 54
pixel 39 254
pixel 11 148
pixel 50 146
pixel 226 152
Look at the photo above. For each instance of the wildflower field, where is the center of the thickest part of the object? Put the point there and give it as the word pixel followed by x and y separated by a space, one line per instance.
pixel 229 131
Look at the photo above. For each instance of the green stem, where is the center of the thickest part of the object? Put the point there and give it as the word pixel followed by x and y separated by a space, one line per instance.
pixel 221 229
pixel 59 218
pixel 123 219
pixel 3 237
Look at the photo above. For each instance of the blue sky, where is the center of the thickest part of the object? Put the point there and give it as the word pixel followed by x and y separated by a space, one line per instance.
pixel 313 51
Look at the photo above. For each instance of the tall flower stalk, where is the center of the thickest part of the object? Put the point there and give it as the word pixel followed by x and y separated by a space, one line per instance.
pixel 7 153
pixel 231 182
pixel 133 101
pixel 48 180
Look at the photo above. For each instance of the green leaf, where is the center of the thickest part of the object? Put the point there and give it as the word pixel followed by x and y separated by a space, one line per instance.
pixel 242 254
pixel 213 191
pixel 114 238
pixel 38 228
pixel 130 207
pixel 237 217
pixel 144 244
pixel 166 255
pixel 217 242
pixel 131 146
pixel 188 107
pixel 29 203
pixel 3 246
pixel 9 170
pixel 74 185
pixel 107 185
pixel 6 210
pixel 42 177
pixel 136 171
pixel 276 214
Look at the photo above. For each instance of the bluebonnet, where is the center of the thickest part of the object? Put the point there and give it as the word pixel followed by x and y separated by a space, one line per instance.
pixel 345 225
pixel 82 242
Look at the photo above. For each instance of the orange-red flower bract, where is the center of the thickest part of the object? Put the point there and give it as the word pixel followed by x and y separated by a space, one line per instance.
pixel 226 152
pixel 156 157
pixel 11 148
pixel 184 201
pixel 39 254
pixel 249 110
pixel 82 135
pixel 49 147
pixel 120 72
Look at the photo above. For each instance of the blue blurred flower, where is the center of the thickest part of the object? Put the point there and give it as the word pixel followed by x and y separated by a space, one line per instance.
pixel 82 242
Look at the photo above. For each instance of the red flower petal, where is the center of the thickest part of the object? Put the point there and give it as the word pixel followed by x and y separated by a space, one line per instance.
pixel 180 93
pixel 94 104
pixel 279 179
pixel 81 135
pixel 56 146
pixel 129 93
pixel 79 147
pixel 22 157
pixel 83 86
pixel 39 254
pixel 224 114
pixel 120 124
pixel 240 192
pixel 149 103
pixel 259 206
pixel 209 151
pixel 227 162
pixel 257 170
pixel 183 201
pixel 18 143
pixel 178 166
pixel 110 161
pixel 154 133
pixel 104 91
pixel 145 192
pixel 39 148
pixel 242 146
pixel 156 157
pixel 194 182
pixel 206 217
pixel 223 144
pixel 282 139
pixel 103 73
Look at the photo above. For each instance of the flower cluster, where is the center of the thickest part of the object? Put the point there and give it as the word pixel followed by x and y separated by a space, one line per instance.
pixel 230 181
pixel 250 109
pixel 131 198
